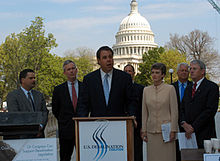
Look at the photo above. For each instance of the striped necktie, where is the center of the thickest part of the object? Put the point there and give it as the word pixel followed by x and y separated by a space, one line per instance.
pixel 74 97
pixel 31 100
pixel 194 89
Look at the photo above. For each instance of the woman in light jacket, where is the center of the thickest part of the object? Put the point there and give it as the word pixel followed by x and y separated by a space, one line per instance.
pixel 159 106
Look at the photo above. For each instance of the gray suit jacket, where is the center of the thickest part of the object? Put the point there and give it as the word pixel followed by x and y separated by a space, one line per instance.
pixel 17 101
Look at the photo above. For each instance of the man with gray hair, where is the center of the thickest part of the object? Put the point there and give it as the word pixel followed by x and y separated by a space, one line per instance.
pixel 182 82
pixel 199 105
pixel 64 104
pixel 180 86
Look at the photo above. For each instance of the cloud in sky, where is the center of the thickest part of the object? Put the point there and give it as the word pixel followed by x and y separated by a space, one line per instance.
pixel 61 1
pixel 9 15
pixel 81 23
pixel 93 22
pixel 171 10
pixel 86 31
pixel 155 11
pixel 113 1
pixel 99 8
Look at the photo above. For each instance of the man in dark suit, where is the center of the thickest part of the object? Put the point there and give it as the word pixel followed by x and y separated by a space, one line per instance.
pixel 64 104
pixel 25 99
pixel 106 91
pixel 199 105
pixel 180 86
pixel 138 93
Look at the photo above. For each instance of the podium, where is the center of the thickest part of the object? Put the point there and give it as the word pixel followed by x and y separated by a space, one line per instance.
pixel 15 124
pixel 104 138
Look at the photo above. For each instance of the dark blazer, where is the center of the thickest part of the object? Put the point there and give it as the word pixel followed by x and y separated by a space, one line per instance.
pixel 200 110
pixel 18 102
pixel 138 142
pixel 93 100
pixel 63 110
pixel 138 92
pixel 176 85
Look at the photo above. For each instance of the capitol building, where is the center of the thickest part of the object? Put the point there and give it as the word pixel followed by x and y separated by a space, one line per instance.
pixel 133 39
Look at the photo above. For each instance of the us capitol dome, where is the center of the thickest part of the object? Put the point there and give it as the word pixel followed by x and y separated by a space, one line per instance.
pixel 133 39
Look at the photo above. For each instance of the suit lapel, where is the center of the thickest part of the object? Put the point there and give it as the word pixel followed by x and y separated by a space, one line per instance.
pixel 79 88
pixel 36 99
pixel 189 83
pixel 176 84
pixel 114 77
pixel 200 88
pixel 66 90
pixel 67 93
pixel 189 91
pixel 99 82
pixel 178 94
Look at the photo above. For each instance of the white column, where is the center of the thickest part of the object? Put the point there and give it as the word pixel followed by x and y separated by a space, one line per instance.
pixel 136 68
pixel 144 50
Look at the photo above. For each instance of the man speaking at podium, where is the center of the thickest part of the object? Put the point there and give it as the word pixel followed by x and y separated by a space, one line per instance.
pixel 25 99
pixel 106 91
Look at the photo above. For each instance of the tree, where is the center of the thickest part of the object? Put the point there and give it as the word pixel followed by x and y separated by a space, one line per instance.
pixel 171 58
pixel 11 60
pixel 50 74
pixel 197 45
pixel 83 57
pixel 149 58
pixel 28 49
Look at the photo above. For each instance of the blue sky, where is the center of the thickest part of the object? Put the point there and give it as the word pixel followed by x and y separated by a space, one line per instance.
pixel 93 23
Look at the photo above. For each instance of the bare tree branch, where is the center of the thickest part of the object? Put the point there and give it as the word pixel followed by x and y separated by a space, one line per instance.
pixel 197 45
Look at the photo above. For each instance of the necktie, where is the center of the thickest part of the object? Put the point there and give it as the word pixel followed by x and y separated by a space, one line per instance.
pixel 194 89
pixel 74 97
pixel 182 89
pixel 31 101
pixel 106 88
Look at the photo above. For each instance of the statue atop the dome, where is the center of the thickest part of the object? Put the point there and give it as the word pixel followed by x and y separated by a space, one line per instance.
pixel 134 7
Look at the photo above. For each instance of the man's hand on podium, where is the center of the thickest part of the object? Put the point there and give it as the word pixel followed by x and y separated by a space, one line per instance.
pixel 40 132
pixel 135 123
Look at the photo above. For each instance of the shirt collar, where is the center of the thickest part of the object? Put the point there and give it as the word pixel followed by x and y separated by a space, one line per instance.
pixel 199 82
pixel 70 83
pixel 103 73
pixel 180 83
pixel 25 91
pixel 159 86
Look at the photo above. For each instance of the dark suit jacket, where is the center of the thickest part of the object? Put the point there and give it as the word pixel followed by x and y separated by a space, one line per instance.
pixel 176 85
pixel 200 110
pixel 138 92
pixel 63 110
pixel 18 102
pixel 93 99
